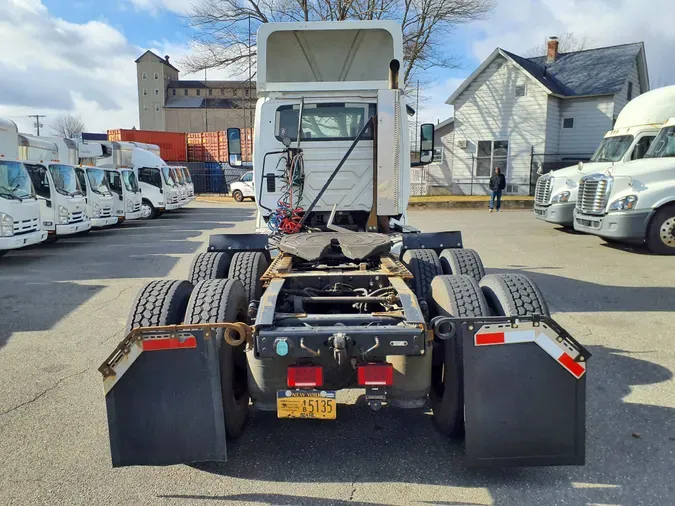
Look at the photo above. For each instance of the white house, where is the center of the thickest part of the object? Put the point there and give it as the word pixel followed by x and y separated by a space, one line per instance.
pixel 560 105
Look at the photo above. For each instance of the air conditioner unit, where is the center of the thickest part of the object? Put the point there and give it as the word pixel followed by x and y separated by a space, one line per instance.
pixel 462 144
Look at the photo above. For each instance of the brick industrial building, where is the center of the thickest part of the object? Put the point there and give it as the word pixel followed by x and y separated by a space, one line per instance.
pixel 166 103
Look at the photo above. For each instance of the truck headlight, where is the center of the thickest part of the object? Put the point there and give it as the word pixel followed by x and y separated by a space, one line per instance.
pixel 624 203
pixel 130 206
pixel 6 225
pixel 96 210
pixel 63 215
pixel 560 197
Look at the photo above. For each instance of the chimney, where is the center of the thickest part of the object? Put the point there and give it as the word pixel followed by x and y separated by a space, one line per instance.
pixel 167 57
pixel 552 54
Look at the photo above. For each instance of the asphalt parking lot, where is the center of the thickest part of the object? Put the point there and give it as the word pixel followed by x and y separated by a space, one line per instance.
pixel 63 308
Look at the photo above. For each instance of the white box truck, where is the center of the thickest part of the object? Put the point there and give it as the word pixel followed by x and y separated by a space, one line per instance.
pixel 636 127
pixel 633 202
pixel 63 209
pixel 20 223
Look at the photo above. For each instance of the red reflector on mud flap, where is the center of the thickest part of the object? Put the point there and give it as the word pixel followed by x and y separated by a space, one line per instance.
pixel 169 343
pixel 375 374
pixel 304 376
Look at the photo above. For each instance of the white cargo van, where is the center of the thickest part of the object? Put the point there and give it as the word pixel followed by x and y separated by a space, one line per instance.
pixel 634 202
pixel 63 209
pixel 243 189
pixel 19 207
pixel 635 129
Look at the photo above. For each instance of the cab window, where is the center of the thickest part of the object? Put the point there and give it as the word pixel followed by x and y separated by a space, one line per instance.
pixel 81 177
pixel 115 181
pixel 38 174
pixel 642 147
pixel 247 178
pixel 150 176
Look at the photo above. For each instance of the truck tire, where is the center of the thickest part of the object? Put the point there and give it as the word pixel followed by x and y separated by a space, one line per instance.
pixel 513 295
pixel 425 266
pixel 661 231
pixel 160 302
pixel 209 265
pixel 148 211
pixel 459 296
pixel 248 267
pixel 220 301
pixel 238 196
pixel 462 261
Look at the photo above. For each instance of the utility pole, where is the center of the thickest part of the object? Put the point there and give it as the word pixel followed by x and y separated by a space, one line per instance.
pixel 37 121
pixel 417 115
pixel 206 104
pixel 250 74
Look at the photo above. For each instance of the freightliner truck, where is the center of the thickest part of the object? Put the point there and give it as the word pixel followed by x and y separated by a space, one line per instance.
pixel 340 292
pixel 636 127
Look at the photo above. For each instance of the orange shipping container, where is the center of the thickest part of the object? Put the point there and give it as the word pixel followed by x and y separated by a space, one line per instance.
pixel 172 145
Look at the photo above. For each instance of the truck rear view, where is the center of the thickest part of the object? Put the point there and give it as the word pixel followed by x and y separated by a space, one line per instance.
pixel 339 292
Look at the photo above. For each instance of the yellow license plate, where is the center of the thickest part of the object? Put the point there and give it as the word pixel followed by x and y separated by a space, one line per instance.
pixel 319 404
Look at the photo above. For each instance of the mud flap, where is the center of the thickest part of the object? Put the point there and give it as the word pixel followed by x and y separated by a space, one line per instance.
pixel 525 395
pixel 164 401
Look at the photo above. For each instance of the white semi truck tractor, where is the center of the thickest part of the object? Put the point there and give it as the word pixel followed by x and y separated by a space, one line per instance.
pixel 63 209
pixel 20 223
pixel 636 127
pixel 633 202
pixel 339 293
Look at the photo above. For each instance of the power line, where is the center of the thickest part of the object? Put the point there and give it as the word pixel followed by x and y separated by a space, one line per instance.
pixel 37 121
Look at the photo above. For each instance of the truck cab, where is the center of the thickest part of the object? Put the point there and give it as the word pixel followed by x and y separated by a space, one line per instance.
pixel 126 193
pixel 63 209
pixel 636 128
pixel 634 202
pixel 243 188
pixel 188 182
pixel 99 198
pixel 20 224
pixel 181 185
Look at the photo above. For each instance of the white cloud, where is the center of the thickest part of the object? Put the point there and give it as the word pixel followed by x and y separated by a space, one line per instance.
pixel 154 6
pixel 55 66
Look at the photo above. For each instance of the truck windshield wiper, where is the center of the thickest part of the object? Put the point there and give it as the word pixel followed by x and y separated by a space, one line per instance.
pixel 10 196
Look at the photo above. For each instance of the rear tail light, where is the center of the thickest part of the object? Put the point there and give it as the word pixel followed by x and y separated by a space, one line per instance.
pixel 304 376
pixel 375 374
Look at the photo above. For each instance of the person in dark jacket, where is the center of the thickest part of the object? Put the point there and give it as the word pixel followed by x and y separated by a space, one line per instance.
pixel 497 185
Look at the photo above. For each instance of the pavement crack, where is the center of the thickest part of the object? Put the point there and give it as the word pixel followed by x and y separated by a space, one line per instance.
pixel 44 392
pixel 351 495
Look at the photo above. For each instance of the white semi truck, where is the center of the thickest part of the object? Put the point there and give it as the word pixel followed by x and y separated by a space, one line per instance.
pixel 633 202
pixel 636 127
pixel 20 224
pixel 322 301
pixel 63 209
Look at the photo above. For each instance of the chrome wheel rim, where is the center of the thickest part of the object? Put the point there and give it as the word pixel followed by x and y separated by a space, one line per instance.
pixel 146 210
pixel 667 232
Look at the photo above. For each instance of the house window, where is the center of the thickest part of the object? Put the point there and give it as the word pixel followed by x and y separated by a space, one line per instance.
pixel 144 75
pixel 156 76
pixel 145 92
pixel 629 96
pixel 199 92
pixel 210 92
pixel 156 92
pixel 185 92
pixel 491 154
pixel 568 123
pixel 173 92
pixel 520 90
pixel 235 92
pixel 438 154
pixel 156 107
pixel 246 93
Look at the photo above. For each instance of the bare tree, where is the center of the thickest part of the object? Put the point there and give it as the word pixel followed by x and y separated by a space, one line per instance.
pixel 568 42
pixel 67 125
pixel 224 39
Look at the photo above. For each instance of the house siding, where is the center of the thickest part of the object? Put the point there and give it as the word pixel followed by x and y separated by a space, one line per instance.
pixel 488 109
pixel 620 100
pixel 592 119
pixel 440 173
pixel 553 122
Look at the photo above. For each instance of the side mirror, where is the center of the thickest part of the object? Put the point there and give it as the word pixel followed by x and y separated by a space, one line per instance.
pixel 234 147
pixel 426 143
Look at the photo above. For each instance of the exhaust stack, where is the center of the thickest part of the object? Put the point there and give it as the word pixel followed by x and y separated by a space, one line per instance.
pixel 394 67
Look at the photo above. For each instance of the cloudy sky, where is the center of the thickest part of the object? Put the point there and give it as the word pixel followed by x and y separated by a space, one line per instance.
pixel 78 56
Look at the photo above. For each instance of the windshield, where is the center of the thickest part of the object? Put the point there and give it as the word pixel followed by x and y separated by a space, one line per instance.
pixel 186 175
pixel 14 180
pixel 65 179
pixel 98 182
pixel 664 144
pixel 168 178
pixel 130 181
pixel 324 122
pixel 177 176
pixel 612 149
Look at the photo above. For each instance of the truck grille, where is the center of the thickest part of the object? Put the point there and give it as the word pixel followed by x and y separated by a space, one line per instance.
pixel 542 194
pixel 137 207
pixel 26 226
pixel 76 217
pixel 106 212
pixel 593 192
